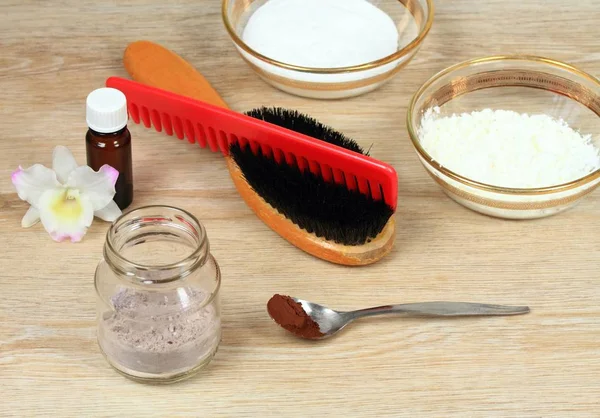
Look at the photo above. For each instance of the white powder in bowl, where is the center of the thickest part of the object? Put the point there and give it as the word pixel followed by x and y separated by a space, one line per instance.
pixel 508 149
pixel 321 33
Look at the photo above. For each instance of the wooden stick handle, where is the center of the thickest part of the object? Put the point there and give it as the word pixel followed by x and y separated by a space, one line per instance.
pixel 155 65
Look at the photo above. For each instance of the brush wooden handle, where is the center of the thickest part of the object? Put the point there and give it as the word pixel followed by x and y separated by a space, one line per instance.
pixel 155 65
pixel 349 255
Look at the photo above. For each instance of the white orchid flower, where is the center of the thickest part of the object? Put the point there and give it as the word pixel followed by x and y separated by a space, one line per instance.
pixel 67 197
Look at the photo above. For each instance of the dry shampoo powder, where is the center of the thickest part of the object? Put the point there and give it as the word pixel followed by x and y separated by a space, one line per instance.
pixel 321 33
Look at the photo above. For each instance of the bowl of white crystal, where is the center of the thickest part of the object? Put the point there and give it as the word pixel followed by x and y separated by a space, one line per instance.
pixel 327 49
pixel 514 137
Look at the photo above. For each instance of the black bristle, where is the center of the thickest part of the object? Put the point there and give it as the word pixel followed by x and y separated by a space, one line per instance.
pixel 327 209
pixel 304 124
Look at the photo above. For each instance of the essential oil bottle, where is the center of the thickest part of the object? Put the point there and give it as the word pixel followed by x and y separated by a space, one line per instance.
pixel 108 140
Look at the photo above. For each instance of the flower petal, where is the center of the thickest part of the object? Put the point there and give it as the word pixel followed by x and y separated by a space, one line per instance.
pixel 112 173
pixel 65 213
pixel 109 213
pixel 33 182
pixel 32 216
pixel 63 163
pixel 97 186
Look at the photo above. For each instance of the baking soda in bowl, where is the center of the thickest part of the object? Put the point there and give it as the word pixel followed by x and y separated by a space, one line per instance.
pixel 326 34
pixel 321 33
pixel 507 149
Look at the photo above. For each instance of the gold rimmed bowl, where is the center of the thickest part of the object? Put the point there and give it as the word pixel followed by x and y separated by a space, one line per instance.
pixel 413 20
pixel 523 84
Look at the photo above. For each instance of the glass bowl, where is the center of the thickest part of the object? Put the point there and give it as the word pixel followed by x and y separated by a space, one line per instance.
pixel 413 19
pixel 524 84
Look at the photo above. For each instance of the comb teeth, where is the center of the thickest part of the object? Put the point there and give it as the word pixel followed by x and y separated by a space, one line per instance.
pixel 219 141
pixel 371 190
pixel 212 127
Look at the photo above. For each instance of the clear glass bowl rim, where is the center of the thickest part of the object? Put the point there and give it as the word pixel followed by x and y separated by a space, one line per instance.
pixel 483 186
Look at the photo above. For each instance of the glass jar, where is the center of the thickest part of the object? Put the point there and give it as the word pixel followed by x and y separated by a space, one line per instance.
pixel 158 296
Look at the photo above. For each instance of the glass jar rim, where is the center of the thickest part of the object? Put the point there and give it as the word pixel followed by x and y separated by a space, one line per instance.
pixel 188 264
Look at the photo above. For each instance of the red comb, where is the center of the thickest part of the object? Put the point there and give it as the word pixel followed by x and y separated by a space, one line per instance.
pixel 218 127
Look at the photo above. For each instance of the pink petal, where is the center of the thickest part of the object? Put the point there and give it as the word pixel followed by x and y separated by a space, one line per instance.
pixel 15 175
pixel 58 236
pixel 77 237
pixel 112 173
pixel 33 181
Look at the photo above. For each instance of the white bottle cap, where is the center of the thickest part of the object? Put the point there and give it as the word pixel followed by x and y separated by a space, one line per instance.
pixel 106 110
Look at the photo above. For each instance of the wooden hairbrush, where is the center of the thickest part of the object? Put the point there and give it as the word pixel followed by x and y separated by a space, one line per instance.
pixel 307 182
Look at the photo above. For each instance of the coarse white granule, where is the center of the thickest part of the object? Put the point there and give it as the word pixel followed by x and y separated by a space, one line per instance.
pixel 508 149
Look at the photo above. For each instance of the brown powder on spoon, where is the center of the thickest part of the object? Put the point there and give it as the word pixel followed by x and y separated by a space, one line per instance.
pixel 290 315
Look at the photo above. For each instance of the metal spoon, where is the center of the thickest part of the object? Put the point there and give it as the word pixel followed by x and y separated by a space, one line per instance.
pixel 330 321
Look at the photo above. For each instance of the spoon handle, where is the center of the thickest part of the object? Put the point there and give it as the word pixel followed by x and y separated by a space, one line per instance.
pixel 442 309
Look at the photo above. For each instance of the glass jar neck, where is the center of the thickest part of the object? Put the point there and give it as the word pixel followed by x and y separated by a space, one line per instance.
pixel 156 245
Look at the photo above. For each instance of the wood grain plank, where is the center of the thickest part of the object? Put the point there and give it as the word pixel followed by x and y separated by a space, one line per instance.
pixel 540 365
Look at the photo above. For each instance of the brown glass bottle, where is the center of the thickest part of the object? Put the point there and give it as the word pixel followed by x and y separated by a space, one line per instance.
pixel 108 140
pixel 113 149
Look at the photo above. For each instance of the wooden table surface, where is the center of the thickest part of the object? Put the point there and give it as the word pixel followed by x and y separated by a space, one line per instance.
pixel 543 364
